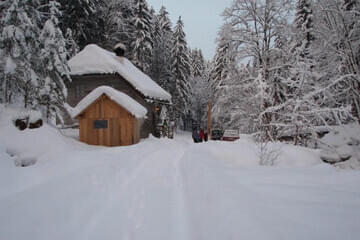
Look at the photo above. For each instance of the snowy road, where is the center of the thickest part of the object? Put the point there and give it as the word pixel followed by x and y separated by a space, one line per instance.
pixel 162 189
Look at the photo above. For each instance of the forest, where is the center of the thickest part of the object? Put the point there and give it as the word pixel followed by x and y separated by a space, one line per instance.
pixel 282 67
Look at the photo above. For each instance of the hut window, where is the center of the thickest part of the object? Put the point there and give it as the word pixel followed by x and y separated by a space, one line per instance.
pixel 98 124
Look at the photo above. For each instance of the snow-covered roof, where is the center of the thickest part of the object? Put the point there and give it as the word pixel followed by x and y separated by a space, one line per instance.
pixel 120 98
pixel 94 60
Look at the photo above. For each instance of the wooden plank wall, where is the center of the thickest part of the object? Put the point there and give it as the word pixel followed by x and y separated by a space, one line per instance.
pixel 123 128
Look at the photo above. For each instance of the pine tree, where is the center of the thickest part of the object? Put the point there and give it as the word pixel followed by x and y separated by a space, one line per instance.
pixel 163 45
pixel 143 44
pixel 35 55
pixel 222 58
pixel 71 45
pixel 19 44
pixel 199 92
pixel 53 63
pixel 197 63
pixel 157 52
pixel 236 103
pixel 161 60
pixel 180 71
pixel 84 18
pixel 119 28
pixel 304 24
pixel 219 82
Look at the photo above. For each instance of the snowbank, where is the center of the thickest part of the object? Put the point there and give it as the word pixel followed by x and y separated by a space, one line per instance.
pixel 95 60
pixel 30 145
pixel 169 189
pixel 245 152
pixel 13 113
pixel 122 99
pixel 341 146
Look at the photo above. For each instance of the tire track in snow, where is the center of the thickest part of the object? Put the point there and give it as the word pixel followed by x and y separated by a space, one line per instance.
pixel 100 214
pixel 180 214
pixel 165 193
pixel 150 202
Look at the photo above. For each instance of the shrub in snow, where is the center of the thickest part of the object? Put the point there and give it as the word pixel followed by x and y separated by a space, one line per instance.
pixel 267 152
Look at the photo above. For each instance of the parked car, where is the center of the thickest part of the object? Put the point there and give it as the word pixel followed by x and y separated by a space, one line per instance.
pixel 230 135
pixel 216 134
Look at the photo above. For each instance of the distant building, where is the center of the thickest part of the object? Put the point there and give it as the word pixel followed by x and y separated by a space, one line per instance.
pixel 94 67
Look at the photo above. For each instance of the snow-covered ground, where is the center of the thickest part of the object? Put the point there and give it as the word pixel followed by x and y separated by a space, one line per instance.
pixel 170 189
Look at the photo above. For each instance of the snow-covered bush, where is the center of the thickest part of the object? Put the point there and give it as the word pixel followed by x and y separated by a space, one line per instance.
pixel 29 146
pixel 341 146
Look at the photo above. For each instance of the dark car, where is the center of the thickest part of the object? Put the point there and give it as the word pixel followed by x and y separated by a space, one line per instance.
pixel 216 134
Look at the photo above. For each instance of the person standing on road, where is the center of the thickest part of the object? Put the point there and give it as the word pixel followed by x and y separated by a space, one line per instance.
pixel 201 135
pixel 194 136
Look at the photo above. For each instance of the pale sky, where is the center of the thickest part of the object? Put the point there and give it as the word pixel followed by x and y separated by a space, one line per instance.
pixel 201 19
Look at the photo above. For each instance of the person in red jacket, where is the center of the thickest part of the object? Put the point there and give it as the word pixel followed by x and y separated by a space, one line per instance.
pixel 201 135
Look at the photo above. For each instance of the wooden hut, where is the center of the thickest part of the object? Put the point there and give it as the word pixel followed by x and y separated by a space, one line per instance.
pixel 109 117
pixel 93 67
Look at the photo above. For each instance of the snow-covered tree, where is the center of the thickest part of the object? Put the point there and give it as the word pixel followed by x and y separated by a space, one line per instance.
pixel 143 44
pixel 236 103
pixel 338 25
pixel 19 49
pixel 119 28
pixel 226 80
pixel 197 62
pixel 163 45
pixel 180 71
pixel 304 24
pixel 311 94
pixel 200 91
pixel 222 59
pixel 84 18
pixel 71 45
pixel 219 64
pixel 52 66
pixel 298 76
pixel 255 25
pixel 35 55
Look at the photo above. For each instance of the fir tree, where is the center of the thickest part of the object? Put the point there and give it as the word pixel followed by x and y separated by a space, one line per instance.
pixel 142 45
pixel 180 71
pixel 221 59
pixel 304 24
pixel 200 92
pixel 197 63
pixel 119 28
pixel 162 49
pixel 53 63
pixel 35 55
pixel 19 44
pixel 84 18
